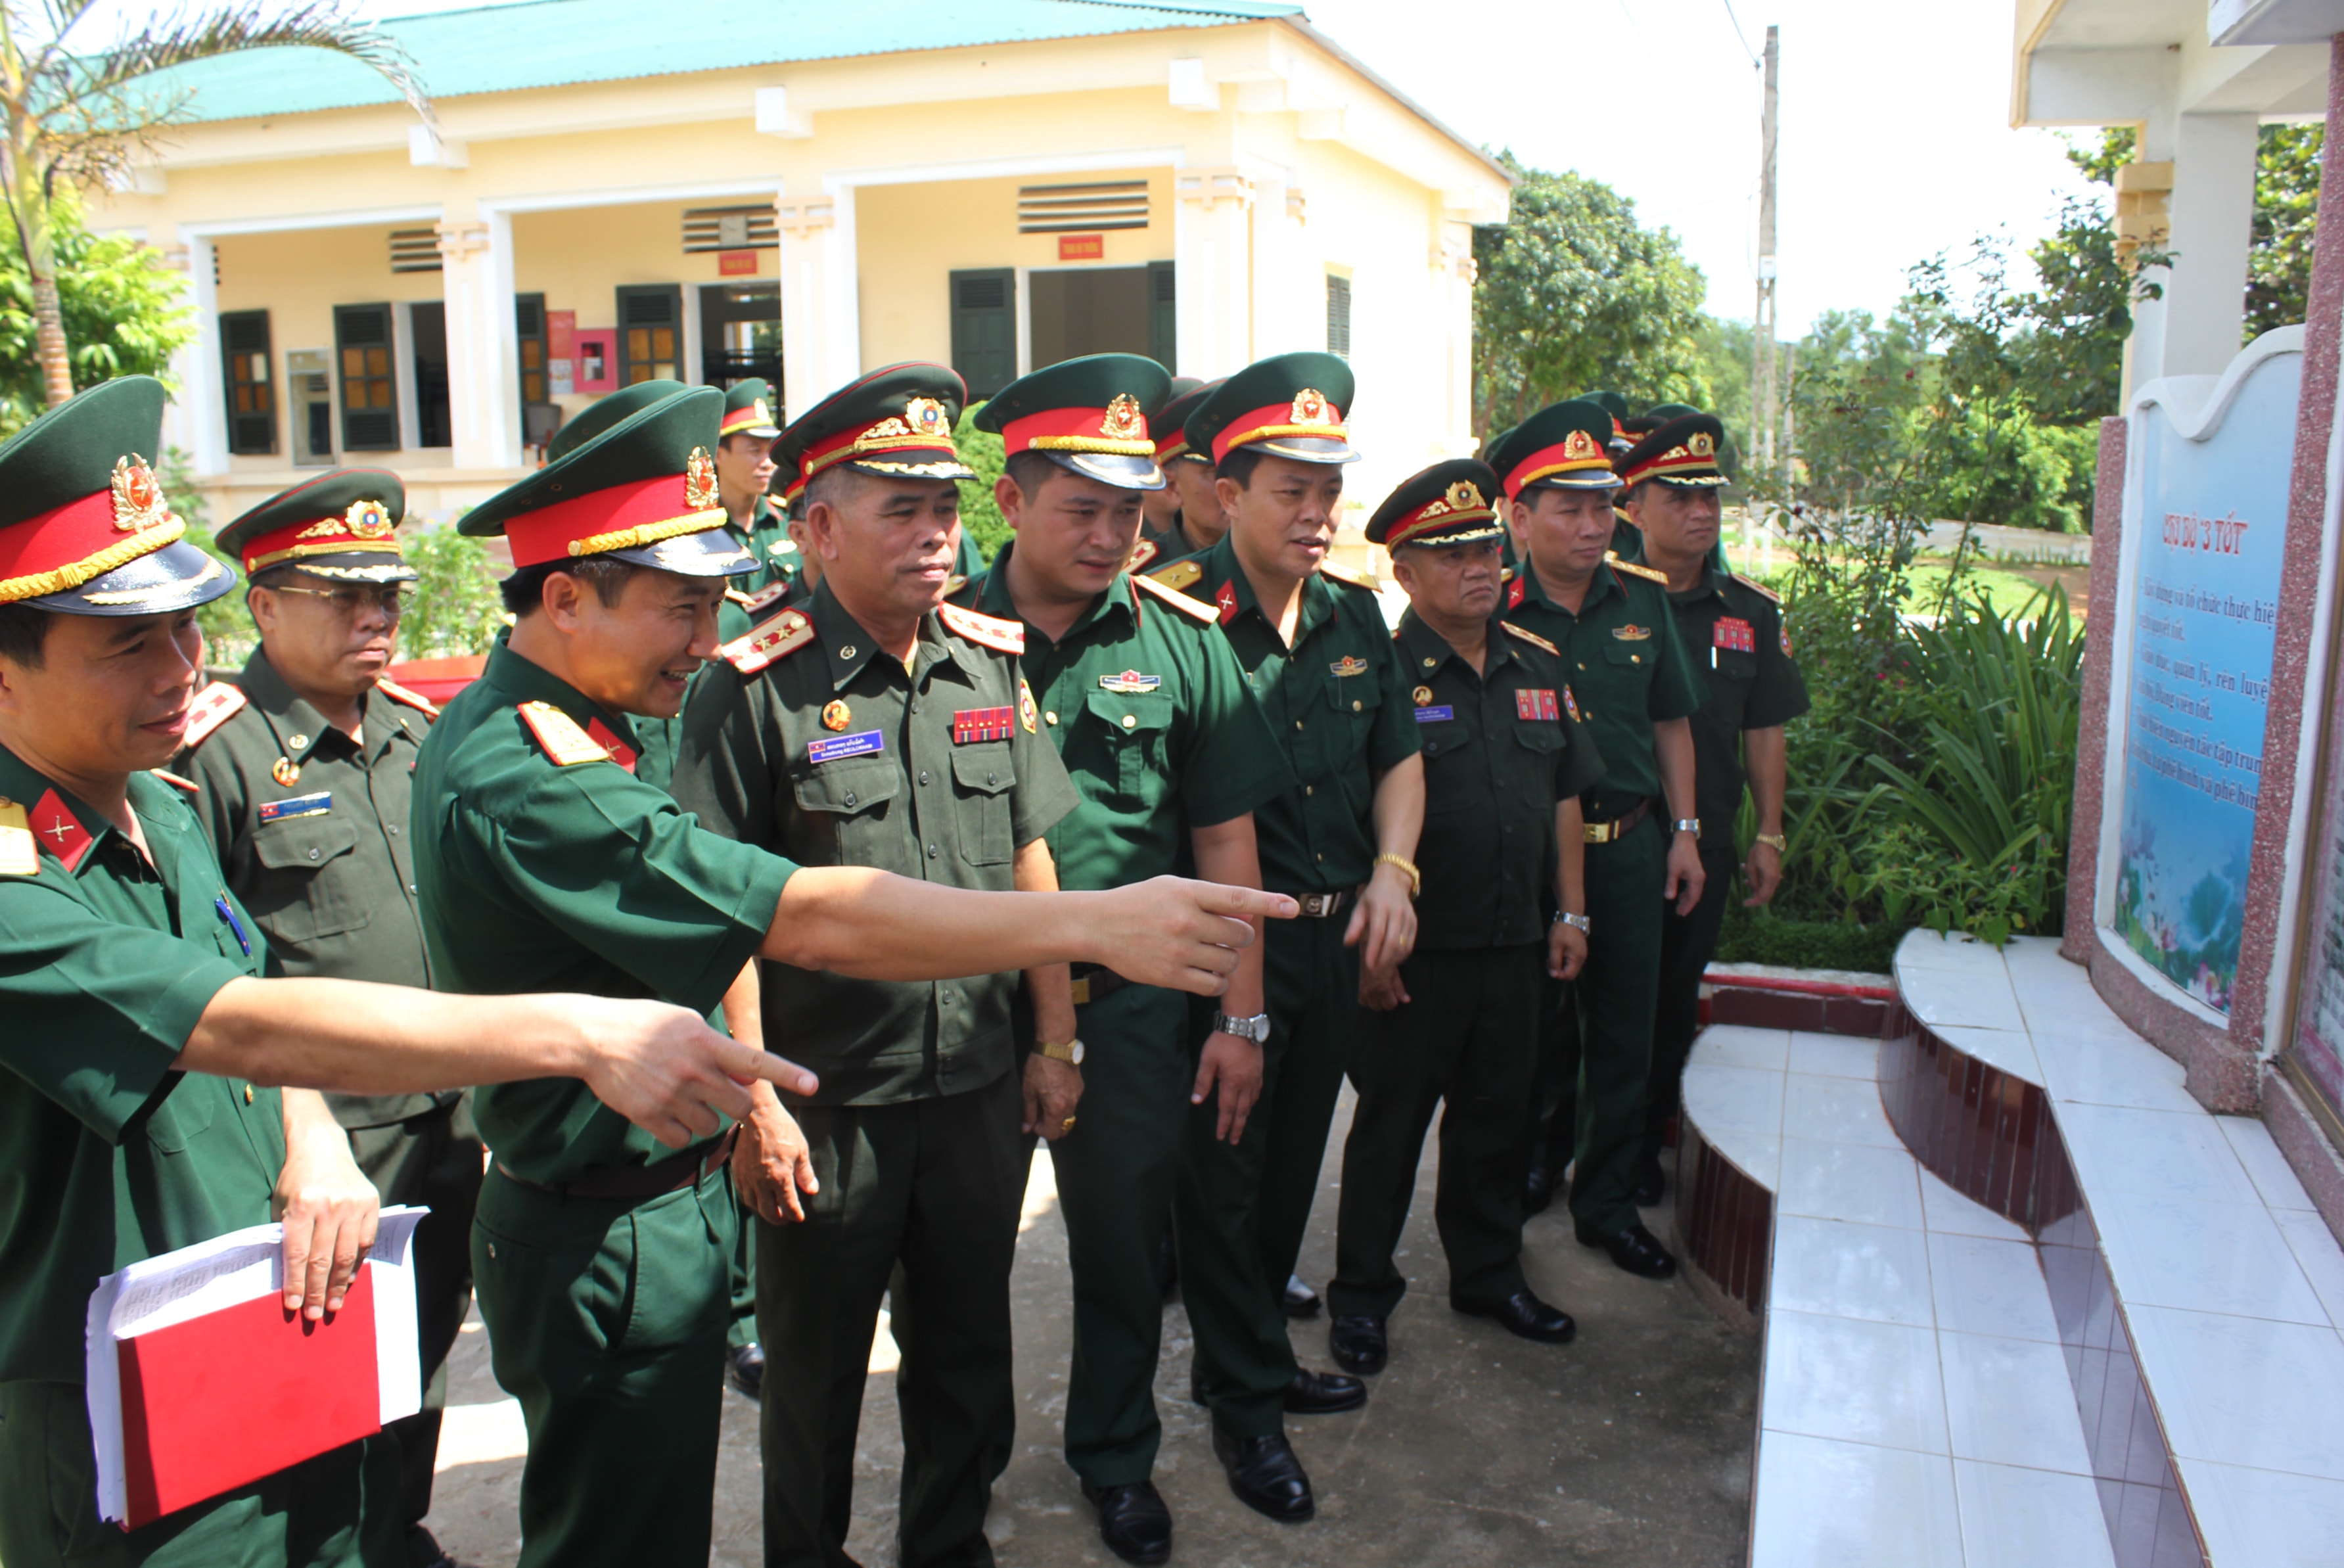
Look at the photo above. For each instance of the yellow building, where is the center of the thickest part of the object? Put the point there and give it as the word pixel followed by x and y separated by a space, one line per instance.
pixel 615 191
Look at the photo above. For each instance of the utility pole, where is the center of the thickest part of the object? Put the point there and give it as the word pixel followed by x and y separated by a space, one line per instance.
pixel 1761 357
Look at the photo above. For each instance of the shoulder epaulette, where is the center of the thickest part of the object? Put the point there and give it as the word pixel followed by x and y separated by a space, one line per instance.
pixel 735 596
pixel 955 582
pixel 986 631
pixel 1635 569
pixel 1532 638
pixel 20 851
pixel 784 633
pixel 772 592
pixel 1179 575
pixel 190 786
pixel 1177 600
pixel 1505 574
pixel 1145 551
pixel 1755 587
pixel 559 735
pixel 213 706
pixel 399 693
pixel 1344 574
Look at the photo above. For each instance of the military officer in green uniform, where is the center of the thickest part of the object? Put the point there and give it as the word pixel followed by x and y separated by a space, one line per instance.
pixel 134 1119
pixel 1145 704
pixel 304 760
pixel 1456 1022
pixel 1340 838
pixel 1635 688
pixel 1184 518
pixel 1754 689
pixel 744 474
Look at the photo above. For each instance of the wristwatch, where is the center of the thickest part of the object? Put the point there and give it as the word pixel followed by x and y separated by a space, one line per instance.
pixel 1070 1053
pixel 1255 1029
pixel 1576 922
pixel 1774 841
pixel 1690 825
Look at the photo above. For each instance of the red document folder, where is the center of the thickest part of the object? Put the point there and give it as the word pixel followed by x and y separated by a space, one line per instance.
pixel 219 1400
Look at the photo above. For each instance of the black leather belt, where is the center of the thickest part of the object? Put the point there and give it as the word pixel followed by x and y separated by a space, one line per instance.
pixel 1094 983
pixel 1618 827
pixel 635 1183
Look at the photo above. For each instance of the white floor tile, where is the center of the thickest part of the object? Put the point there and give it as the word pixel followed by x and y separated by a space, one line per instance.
pixel 1834 1056
pixel 1853 1379
pixel 1877 1271
pixel 2009 1401
pixel 2242 1391
pixel 1984 1285
pixel 2010 1050
pixel 1824 1504
pixel 1736 1046
pixel 2015 1518
pixel 1856 1181
pixel 1835 1111
pixel 2267 1519
pixel 2266 1168
pixel 1976 1000
pixel 1958 1214
pixel 2156 1154
pixel 2205 1257
pixel 1739 1110
pixel 1962 954
pixel 2317 1255
pixel 2129 1071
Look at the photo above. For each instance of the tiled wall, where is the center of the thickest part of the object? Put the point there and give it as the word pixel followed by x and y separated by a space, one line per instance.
pixel 1725 1224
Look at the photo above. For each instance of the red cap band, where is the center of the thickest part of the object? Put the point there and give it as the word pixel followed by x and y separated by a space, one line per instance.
pixel 1121 431
pixel 1310 415
pixel 624 517
pixel 1577 452
pixel 74 543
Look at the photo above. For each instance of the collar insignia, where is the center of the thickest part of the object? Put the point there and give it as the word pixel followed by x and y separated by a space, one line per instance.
pixel 1228 600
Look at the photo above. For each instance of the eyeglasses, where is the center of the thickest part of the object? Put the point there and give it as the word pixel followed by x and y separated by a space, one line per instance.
pixel 392 602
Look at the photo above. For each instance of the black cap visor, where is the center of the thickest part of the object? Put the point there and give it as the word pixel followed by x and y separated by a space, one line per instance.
pixel 1306 449
pixel 1582 479
pixel 711 552
pixel 1117 469
pixel 161 583
pixel 1469 535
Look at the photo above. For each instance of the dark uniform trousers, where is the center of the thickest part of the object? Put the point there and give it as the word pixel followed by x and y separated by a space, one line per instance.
pixel 1617 990
pixel 1466 1040
pixel 1553 1102
pixel 1688 942
pixel 1239 1213
pixel 937 1182
pixel 606 1319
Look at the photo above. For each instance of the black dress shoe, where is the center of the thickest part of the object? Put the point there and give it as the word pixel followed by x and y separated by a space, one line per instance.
pixel 1651 1181
pixel 1265 1476
pixel 744 1369
pixel 1538 1190
pixel 1133 1521
pixel 1524 1314
pixel 1635 1249
pixel 1359 1343
pixel 1301 1301
pixel 1324 1393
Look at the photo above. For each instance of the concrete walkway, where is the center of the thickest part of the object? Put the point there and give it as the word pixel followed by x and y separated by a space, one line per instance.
pixel 1632 1446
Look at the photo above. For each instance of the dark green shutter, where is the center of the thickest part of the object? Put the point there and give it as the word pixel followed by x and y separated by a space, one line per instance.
pixel 369 388
pixel 1163 318
pixel 651 332
pixel 984 329
pixel 251 389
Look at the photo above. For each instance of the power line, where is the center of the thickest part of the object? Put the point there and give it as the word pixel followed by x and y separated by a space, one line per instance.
pixel 1739 36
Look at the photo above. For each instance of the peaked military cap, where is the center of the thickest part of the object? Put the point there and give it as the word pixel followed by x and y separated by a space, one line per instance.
pixel 1681 451
pixel 788 485
pixel 642 490
pixel 340 525
pixel 896 422
pixel 1450 502
pixel 84 527
pixel 749 410
pixel 1289 405
pixel 607 410
pixel 1563 446
pixel 1089 416
pixel 1169 424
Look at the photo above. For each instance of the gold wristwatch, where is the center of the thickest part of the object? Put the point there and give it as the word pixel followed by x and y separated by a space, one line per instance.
pixel 1070 1053
pixel 1774 841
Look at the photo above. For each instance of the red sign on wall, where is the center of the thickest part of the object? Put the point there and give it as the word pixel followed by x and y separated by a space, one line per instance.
pixel 736 264
pixel 561 334
pixel 1082 248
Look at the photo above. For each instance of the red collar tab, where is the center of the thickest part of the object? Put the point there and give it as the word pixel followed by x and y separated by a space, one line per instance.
pixel 364 525
pixel 71 544
pixel 624 517
pixel 58 832
pixel 617 750
pixel 1228 600
pixel 1309 414
pixel 922 433
pixel 1118 429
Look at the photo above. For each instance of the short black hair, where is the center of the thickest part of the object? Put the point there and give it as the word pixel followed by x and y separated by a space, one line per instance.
pixel 1238 465
pixel 278 576
pixel 23 631
pixel 524 590
pixel 825 486
pixel 1030 470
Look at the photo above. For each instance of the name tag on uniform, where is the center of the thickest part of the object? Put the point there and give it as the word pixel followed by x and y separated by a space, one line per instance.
pixel 1735 635
pixel 971 726
pixel 1536 703
pixel 1439 715
pixel 832 748
pixel 316 804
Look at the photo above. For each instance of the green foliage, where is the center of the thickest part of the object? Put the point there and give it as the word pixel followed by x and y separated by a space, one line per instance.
pixel 2001 465
pixel 1761 936
pixel 230 636
pixel 456 608
pixel 123 314
pixel 1574 293
pixel 2287 203
pixel 983 452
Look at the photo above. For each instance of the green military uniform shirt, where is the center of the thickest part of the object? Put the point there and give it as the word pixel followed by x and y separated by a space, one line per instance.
pixel 541 876
pixel 1627 671
pixel 834 755
pixel 1337 701
pixel 324 862
pixel 107 1155
pixel 1154 721
pixel 1501 750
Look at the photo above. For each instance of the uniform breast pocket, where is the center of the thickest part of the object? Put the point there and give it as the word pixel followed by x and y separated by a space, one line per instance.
pixel 850 797
pixel 981 781
pixel 306 890
pixel 1137 727
pixel 1536 741
pixel 1734 664
pixel 1355 699
pixel 1631 664
pixel 186 1113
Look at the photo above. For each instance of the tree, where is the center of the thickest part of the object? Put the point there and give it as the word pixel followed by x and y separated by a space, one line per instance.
pixel 124 313
pixel 2287 205
pixel 1572 293
pixel 77 120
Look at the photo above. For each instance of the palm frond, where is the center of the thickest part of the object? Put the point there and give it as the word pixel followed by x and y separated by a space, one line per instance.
pixel 186 36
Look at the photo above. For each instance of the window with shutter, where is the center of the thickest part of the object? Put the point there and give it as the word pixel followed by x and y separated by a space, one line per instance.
pixel 251 393
pixel 1163 318
pixel 984 329
pixel 651 332
pixel 427 336
pixel 529 324
pixel 1338 316
pixel 369 386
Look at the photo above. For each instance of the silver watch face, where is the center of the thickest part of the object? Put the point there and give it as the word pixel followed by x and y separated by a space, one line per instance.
pixel 1255 1029
pixel 1077 1053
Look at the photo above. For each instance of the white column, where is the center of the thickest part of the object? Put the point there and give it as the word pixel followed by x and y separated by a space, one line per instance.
pixel 1453 279
pixel 202 403
pixel 1212 275
pixel 483 348
pixel 821 331
pixel 2213 217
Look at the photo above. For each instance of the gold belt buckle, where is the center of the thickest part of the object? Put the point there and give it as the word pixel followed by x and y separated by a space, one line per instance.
pixel 1600 832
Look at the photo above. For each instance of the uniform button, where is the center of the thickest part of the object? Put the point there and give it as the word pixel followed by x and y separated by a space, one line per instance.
pixel 991 778
pixel 1131 720
pixel 411 887
pixel 248 1093
pixel 394 830
pixel 1354 707
pixel 1635 658
pixel 1582 664
pixel 1310 789
pixel 924 775
pixel 1049 718
pixel 931 851
pixel 1298 724
pixel 1322 860
pixel 1429 663
pixel 313 853
pixel 850 797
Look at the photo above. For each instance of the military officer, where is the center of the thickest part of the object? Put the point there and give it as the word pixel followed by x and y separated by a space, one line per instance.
pixel 131 1122
pixel 304 761
pixel 1636 688
pixel 1146 706
pixel 1340 838
pixel 744 472
pixel 1754 689
pixel 1184 518
pixel 1456 1022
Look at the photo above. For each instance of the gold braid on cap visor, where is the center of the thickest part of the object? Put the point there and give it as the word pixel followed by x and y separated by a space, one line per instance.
pixel 644 533
pixel 59 580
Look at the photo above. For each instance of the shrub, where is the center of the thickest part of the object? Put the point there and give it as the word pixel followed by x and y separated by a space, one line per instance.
pixel 983 452
pixel 456 609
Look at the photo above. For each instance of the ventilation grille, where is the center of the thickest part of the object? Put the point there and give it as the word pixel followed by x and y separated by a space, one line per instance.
pixel 415 250
pixel 710 228
pixel 651 308
pixel 1338 316
pixel 370 431
pixel 989 293
pixel 245 331
pixel 1066 209
pixel 529 316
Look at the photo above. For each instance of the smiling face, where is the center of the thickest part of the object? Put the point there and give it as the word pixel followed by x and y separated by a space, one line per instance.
pixel 638 655
pixel 109 697
pixel 886 545
pixel 1563 532
pixel 1074 533
pixel 1450 582
pixel 326 638
pixel 1284 516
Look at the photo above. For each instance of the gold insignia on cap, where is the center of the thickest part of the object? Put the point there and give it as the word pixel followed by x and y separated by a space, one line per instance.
pixel 1310 408
pixel 1123 420
pixel 1579 445
pixel 925 416
pixel 1701 445
pixel 368 519
pixel 1465 496
pixel 837 716
pixel 700 492
pixel 139 503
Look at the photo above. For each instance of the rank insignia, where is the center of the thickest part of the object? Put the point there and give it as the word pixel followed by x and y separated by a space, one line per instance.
pixel 1130 681
pixel 617 750
pixel 975 726
pixel 1026 706
pixel 1535 702
pixel 1631 632
pixel 316 804
pixel 855 745
pixel 286 771
pixel 1515 591
pixel 1228 600
pixel 1733 634
pixel 1571 705
pixel 559 736
pixel 1347 665
pixel 836 715
pixel 59 832
pixel 20 853
pixel 1423 695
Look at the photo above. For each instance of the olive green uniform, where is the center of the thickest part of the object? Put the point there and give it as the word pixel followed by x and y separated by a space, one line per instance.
pixel 107 1156
pixel 1501 751
pixel 1159 732
pixel 599 1255
pixel 1627 671
pixel 939 773
pixel 1337 700
pixel 324 865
